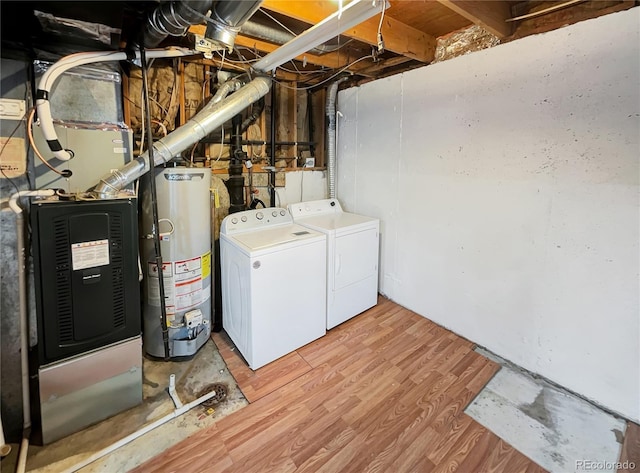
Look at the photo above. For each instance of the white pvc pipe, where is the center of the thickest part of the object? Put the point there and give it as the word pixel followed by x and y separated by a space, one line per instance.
pixel 79 59
pixel 4 448
pixel 24 319
pixel 21 466
pixel 138 433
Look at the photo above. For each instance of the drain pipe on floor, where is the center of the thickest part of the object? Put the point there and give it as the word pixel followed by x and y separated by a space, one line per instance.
pixel 177 412
pixel 24 320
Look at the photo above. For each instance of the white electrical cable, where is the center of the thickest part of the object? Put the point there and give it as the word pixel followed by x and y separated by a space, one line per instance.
pixel 79 59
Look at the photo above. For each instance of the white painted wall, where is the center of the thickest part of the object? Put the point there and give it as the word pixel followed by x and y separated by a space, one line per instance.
pixel 507 184
pixel 301 186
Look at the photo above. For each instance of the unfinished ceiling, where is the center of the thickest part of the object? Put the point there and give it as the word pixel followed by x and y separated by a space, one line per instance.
pixel 410 34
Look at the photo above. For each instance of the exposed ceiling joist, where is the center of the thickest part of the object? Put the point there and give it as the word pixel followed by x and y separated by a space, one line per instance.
pixel 375 69
pixel 489 14
pixel 398 37
pixel 330 60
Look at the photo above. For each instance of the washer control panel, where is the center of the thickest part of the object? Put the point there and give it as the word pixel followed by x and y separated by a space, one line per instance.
pixel 253 219
pixel 315 207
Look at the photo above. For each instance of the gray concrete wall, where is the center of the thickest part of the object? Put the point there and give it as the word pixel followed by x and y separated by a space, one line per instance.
pixel 507 186
pixel 13 84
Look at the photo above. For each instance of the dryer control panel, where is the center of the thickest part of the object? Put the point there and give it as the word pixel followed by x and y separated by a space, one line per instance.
pixel 254 219
pixel 315 207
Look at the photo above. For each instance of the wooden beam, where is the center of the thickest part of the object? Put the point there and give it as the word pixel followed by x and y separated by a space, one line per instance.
pixel 489 14
pixel 374 69
pixel 330 60
pixel 398 37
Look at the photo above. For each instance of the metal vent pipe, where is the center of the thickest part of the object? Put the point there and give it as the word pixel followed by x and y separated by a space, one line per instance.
pixel 215 114
pixel 332 94
pixel 173 19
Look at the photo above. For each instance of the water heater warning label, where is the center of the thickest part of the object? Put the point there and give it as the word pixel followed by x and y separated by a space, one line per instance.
pixel 183 283
pixel 90 254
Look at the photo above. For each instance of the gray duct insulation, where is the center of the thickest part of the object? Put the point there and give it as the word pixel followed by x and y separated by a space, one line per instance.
pixel 219 110
pixel 332 94
pixel 173 18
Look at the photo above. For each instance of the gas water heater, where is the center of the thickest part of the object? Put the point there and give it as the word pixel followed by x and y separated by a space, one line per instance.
pixel 184 215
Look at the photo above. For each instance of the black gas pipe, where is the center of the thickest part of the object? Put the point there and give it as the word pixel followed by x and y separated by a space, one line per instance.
pixel 154 204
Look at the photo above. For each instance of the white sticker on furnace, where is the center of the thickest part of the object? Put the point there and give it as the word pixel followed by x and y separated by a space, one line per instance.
pixel 90 254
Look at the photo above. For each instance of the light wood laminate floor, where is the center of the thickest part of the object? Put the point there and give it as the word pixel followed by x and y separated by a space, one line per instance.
pixel 383 392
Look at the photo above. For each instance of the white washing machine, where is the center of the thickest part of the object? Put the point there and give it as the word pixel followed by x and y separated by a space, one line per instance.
pixel 352 256
pixel 273 283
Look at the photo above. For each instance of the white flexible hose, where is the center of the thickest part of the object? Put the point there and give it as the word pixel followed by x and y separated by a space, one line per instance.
pixel 79 59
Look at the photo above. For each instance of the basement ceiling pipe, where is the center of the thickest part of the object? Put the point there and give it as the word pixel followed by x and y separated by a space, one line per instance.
pixel 332 94
pixel 54 72
pixel 227 17
pixel 173 19
pixel 277 36
pixel 212 116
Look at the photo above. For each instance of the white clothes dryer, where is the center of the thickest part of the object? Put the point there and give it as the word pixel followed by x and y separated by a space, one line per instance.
pixel 352 256
pixel 273 283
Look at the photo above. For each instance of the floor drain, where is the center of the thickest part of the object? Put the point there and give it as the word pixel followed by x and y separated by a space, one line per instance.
pixel 219 396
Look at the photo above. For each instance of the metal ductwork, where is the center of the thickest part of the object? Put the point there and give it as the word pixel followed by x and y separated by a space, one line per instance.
pixel 219 110
pixel 222 107
pixel 173 18
pixel 227 17
pixel 332 94
pixel 278 36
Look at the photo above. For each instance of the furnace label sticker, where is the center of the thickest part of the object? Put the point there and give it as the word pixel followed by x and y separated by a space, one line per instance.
pixel 89 254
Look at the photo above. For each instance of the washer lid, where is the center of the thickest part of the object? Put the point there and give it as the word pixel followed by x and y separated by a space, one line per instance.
pixel 275 237
pixel 337 221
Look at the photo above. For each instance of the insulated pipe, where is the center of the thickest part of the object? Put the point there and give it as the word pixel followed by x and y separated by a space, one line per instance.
pixel 173 19
pixel 272 154
pixel 24 319
pixel 277 36
pixel 74 60
pixel 212 116
pixel 138 433
pixel 332 94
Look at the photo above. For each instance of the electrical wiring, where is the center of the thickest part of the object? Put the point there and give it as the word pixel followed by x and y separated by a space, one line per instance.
pixel 328 78
pixel 277 21
pixel 221 145
pixel 32 142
